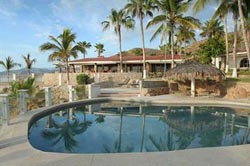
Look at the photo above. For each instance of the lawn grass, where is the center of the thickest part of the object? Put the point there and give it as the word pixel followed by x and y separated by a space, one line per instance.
pixel 247 80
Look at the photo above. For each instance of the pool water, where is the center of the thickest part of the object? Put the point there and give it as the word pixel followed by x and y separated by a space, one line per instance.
pixel 105 128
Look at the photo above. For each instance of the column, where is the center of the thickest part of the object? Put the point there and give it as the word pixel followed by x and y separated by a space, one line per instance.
pixel 14 76
pixel 60 79
pixel 71 93
pixel 48 98
pixel 4 98
pixel 22 100
pixel 193 87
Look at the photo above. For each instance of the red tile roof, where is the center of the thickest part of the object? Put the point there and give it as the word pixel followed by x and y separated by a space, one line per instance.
pixel 126 58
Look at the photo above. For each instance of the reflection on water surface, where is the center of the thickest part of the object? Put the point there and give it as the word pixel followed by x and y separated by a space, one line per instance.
pixel 124 127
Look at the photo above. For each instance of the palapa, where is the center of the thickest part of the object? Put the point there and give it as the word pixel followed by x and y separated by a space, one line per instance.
pixel 194 70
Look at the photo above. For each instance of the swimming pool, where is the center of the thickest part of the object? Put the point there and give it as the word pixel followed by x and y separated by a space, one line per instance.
pixel 118 127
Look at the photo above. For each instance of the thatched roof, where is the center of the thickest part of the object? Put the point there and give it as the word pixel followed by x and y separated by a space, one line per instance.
pixel 190 70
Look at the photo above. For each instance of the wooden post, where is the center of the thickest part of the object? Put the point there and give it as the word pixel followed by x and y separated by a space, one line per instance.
pixel 193 87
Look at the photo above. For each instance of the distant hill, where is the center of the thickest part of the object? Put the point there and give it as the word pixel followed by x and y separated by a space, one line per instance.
pixel 24 71
pixel 138 52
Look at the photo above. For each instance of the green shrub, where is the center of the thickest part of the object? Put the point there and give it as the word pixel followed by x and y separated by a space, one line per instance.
pixel 82 79
pixel 23 84
pixel 80 91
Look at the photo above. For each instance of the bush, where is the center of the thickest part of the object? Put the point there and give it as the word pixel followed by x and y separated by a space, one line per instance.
pixel 82 79
pixel 23 84
pixel 80 92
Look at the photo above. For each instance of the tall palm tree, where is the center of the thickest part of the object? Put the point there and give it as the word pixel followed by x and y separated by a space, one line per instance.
pixel 118 19
pixel 8 65
pixel 62 48
pixel 222 12
pixel 83 46
pixel 29 62
pixel 246 4
pixel 212 28
pixel 99 48
pixel 235 12
pixel 141 8
pixel 170 17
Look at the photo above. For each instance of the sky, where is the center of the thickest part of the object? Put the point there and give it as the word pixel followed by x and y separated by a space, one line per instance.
pixel 27 24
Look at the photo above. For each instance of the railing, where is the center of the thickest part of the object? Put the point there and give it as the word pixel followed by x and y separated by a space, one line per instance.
pixel 13 106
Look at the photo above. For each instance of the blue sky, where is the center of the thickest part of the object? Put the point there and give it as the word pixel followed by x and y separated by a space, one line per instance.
pixel 26 24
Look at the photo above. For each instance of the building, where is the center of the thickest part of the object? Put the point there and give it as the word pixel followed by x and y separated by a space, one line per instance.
pixel 131 63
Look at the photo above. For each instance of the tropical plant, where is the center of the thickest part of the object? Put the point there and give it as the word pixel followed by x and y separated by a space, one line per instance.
pixel 82 79
pixel 29 62
pixel 118 19
pixel 82 47
pixel 170 18
pixel 185 35
pixel 8 65
pixel 212 28
pixel 23 84
pixel 212 48
pixel 99 48
pixel 62 48
pixel 141 8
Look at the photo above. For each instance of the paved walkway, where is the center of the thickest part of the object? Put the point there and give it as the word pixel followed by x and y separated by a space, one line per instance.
pixel 15 149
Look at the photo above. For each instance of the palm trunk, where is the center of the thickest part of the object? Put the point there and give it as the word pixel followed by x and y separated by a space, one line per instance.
pixel 8 75
pixel 143 47
pixel 243 27
pixel 67 70
pixel 172 47
pixel 120 48
pixel 226 42
pixel 234 74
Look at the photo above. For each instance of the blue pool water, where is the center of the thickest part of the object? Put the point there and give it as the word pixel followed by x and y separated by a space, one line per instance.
pixel 122 127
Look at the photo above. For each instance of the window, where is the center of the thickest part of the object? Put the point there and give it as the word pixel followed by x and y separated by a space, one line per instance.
pixel 244 63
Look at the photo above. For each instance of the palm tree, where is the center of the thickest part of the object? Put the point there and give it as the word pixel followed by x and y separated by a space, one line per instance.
pixel 141 8
pixel 99 48
pixel 8 65
pixel 118 19
pixel 29 62
pixel 170 18
pixel 222 12
pixel 246 4
pixel 212 28
pixel 185 35
pixel 235 12
pixel 83 46
pixel 62 48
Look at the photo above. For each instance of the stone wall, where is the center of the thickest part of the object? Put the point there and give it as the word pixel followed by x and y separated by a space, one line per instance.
pixel 237 90
pixel 52 79
pixel 153 88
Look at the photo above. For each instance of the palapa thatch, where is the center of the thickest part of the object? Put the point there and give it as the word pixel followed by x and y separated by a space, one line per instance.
pixel 194 70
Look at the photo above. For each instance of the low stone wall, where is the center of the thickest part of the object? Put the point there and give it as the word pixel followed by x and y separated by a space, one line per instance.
pixel 153 88
pixel 55 79
pixel 237 90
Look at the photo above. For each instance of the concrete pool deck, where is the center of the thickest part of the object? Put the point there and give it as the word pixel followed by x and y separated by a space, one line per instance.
pixel 15 149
